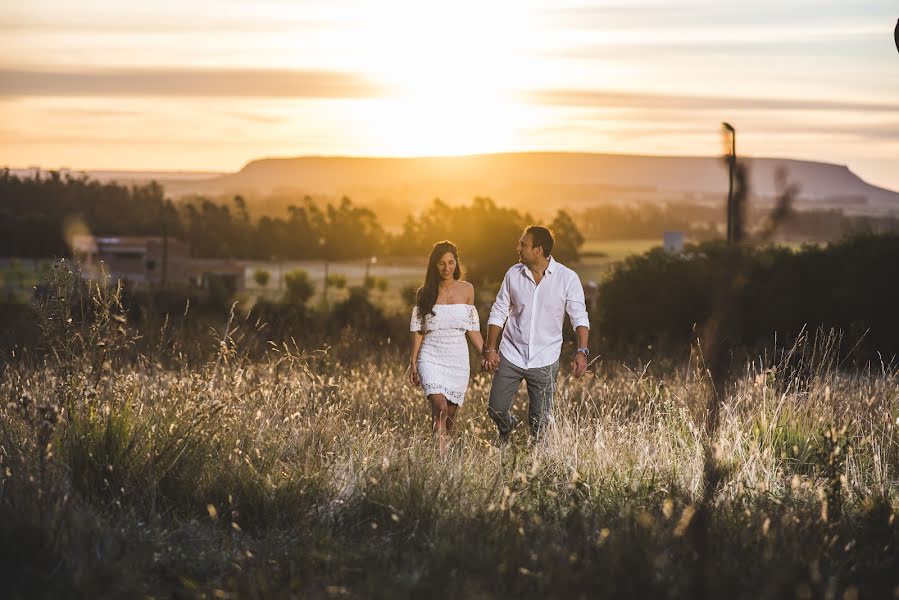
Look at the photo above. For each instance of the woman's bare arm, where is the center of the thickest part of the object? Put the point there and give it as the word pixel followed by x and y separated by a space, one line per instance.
pixel 476 340
pixel 417 337
pixel 474 336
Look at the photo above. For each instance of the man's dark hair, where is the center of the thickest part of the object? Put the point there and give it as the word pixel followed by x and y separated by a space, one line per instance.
pixel 541 237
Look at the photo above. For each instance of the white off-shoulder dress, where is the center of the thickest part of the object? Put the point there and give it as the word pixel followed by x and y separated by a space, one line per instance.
pixel 443 358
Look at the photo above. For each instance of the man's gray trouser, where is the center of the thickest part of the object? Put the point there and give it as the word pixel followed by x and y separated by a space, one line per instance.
pixel 541 388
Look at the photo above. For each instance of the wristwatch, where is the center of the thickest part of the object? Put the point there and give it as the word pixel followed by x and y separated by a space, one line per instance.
pixel 584 351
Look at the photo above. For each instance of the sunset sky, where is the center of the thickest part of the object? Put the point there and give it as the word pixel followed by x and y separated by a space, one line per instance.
pixel 210 85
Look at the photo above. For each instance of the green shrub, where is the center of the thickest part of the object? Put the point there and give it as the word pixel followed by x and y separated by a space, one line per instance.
pixel 299 287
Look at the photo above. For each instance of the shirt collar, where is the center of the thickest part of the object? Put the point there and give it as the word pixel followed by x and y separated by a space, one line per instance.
pixel 552 265
pixel 550 268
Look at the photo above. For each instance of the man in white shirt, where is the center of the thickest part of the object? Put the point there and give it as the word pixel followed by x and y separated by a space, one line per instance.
pixel 531 304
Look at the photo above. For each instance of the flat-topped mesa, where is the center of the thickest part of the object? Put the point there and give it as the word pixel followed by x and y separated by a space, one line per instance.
pixel 557 178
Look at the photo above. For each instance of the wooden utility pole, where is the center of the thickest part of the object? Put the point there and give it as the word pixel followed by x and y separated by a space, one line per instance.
pixel 731 164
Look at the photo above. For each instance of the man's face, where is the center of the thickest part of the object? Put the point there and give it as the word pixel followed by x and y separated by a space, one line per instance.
pixel 527 254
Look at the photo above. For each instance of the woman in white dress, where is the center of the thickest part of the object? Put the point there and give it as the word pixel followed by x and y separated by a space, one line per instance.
pixel 444 315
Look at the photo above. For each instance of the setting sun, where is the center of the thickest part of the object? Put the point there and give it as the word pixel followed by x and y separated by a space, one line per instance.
pixel 450 74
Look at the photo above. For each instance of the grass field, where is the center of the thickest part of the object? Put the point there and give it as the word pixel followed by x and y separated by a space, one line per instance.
pixel 303 475
pixel 18 277
pixel 397 273
pixel 600 255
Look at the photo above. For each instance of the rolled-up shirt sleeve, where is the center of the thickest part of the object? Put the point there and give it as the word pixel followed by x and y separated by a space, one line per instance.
pixel 502 305
pixel 574 302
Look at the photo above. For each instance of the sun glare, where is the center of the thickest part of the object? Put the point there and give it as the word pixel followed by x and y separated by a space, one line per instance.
pixel 451 70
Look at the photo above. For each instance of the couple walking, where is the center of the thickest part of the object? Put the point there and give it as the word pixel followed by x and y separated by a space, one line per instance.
pixel 531 304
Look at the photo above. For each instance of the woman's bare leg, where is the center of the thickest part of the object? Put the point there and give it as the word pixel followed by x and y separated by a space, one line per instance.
pixel 451 410
pixel 439 412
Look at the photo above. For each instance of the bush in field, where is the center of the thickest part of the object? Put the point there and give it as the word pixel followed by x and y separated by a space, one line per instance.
pixel 360 314
pixel 408 294
pixel 299 288
pixel 261 277
pixel 657 299
pixel 376 283
pixel 336 280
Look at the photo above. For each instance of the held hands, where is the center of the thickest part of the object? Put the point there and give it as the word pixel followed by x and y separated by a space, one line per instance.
pixel 490 362
pixel 578 364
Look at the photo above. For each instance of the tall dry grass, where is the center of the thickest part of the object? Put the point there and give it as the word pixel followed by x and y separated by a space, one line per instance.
pixel 300 475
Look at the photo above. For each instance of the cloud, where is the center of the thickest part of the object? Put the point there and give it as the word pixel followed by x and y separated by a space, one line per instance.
pixel 93 113
pixel 111 24
pixel 631 100
pixel 833 18
pixel 267 83
pixel 259 118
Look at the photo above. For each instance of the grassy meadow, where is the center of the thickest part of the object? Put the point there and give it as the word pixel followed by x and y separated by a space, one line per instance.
pixel 395 275
pixel 18 277
pixel 599 256
pixel 398 274
pixel 153 473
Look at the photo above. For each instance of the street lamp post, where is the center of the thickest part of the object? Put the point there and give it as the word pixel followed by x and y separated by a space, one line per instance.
pixel 731 164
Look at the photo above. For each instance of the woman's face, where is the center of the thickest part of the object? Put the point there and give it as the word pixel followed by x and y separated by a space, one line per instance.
pixel 446 266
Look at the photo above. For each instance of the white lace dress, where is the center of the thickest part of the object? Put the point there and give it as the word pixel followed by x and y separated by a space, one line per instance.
pixel 443 358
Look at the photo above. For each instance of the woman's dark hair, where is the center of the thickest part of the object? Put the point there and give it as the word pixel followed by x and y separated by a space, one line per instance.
pixel 426 297
pixel 542 238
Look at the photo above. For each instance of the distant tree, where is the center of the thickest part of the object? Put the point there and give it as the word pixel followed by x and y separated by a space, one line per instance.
pixel 348 231
pixel 567 238
pixel 240 209
pixel 301 232
pixel 33 210
pixel 268 239
pixel 485 233
pixel 211 230
pixel 242 229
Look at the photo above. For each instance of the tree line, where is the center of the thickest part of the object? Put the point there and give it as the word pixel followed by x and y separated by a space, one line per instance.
pixel 705 222
pixel 35 211
pixel 655 304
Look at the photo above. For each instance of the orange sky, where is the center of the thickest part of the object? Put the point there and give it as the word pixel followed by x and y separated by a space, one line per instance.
pixel 208 85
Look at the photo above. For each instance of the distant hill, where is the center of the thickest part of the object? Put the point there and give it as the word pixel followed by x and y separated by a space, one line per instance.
pixel 540 182
pixel 545 179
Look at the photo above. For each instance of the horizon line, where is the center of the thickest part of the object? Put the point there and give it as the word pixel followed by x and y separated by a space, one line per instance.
pixel 409 157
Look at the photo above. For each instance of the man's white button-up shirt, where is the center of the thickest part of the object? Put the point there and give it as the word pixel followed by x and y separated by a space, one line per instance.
pixel 533 313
